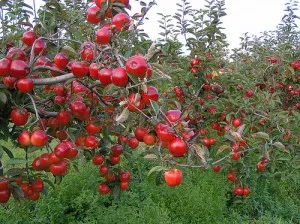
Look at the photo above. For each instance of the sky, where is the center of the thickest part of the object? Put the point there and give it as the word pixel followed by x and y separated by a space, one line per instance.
pixel 252 16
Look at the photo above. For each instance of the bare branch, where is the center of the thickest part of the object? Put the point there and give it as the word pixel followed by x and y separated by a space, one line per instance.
pixel 53 80
pixel 48 68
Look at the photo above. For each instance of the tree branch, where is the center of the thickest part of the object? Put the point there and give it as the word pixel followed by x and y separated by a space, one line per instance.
pixel 48 68
pixel 94 91
pixel 53 80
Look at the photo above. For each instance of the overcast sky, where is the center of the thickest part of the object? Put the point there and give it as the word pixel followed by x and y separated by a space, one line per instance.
pixel 252 16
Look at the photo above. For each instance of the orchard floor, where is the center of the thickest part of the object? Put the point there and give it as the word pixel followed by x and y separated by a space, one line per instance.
pixel 203 197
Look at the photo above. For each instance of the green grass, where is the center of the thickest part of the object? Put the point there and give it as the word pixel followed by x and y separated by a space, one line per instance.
pixel 203 197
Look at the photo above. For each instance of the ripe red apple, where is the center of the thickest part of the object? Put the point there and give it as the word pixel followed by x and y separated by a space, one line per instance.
pixel 133 143
pixel 103 170
pixel 249 93
pixel 91 142
pixel 4 196
pixel 137 65
pixel 116 150
pixel 217 168
pixel 237 122
pixel 37 185
pixel 63 118
pixel 173 177
pixel 59 168
pixel 28 38
pixel 238 190
pixel 93 70
pixel 149 139
pixel 122 140
pixel 79 69
pixel 87 54
pixel 134 103
pixel 119 77
pixel 231 177
pixel 235 156
pixel 43 61
pixel 4 183
pixel 125 176
pixel 98 159
pixel 212 141
pixel 177 147
pixel 24 138
pixel 121 21
pixel 93 128
pixel 103 189
pixel 103 36
pixel 77 107
pixel 19 69
pixel 40 47
pixel 246 190
pixel 105 76
pixel 114 159
pixel 35 196
pixel 164 132
pixel 39 138
pixel 150 94
pixel 62 150
pixel 260 167
pixel 139 133
pixel 173 115
pixel 16 54
pixel 124 186
pixel 110 177
pixel 195 62
pixel 178 91
pixel 61 60
pixel 25 85
pixel 19 116
pixel 92 14
pixel 5 67
pixel 206 142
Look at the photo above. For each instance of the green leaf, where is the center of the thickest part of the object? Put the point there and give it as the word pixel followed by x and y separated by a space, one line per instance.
pixel 69 50
pixel 153 171
pixel 159 178
pixel 241 129
pixel 8 152
pixel 3 98
pixel 123 116
pixel 262 135
pixel 16 161
pixel 296 115
pixel 155 107
pixel 143 4
pixel 279 145
pixel 58 179
pixel 284 158
pixel 51 184
pixel 32 149
pixel 15 172
pixel 119 4
pixel 116 193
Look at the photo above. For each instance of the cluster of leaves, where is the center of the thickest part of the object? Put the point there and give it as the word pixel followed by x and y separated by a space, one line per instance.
pixel 200 28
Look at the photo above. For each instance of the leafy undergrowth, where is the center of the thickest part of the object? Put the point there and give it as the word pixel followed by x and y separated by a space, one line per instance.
pixel 203 197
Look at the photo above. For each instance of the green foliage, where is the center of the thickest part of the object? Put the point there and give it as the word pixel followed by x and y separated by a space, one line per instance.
pixel 200 199
pixel 197 200
pixel 76 201
pixel 272 197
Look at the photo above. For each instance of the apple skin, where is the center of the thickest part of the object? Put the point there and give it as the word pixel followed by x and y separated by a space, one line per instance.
pixel 173 177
